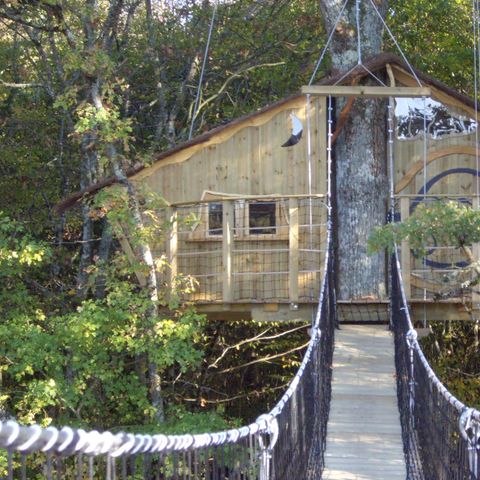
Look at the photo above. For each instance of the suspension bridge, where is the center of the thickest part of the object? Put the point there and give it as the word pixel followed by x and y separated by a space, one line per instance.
pixel 364 404
pixel 350 431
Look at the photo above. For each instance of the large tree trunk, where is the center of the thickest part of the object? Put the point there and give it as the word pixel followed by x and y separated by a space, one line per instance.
pixel 360 155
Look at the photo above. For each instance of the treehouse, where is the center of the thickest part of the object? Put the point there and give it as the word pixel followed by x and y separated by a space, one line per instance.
pixel 248 198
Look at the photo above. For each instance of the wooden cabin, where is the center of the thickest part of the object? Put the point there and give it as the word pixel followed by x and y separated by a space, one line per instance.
pixel 250 214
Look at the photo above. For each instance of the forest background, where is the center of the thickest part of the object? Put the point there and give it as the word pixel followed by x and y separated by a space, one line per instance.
pixel 91 88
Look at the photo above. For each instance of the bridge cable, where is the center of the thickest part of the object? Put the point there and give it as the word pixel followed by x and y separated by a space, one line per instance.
pixel 392 36
pixel 309 182
pixel 200 81
pixel 329 40
pixel 476 66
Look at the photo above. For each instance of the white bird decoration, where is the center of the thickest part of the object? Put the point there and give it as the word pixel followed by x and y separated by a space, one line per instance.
pixel 297 130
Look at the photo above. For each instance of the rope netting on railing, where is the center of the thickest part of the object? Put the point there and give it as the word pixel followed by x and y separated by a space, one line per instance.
pixel 441 435
pixel 286 443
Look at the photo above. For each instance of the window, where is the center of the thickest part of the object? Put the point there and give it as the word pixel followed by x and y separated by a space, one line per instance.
pixel 262 218
pixel 215 214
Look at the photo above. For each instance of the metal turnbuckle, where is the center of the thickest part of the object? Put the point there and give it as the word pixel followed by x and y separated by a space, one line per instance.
pixel 470 431
pixel 266 445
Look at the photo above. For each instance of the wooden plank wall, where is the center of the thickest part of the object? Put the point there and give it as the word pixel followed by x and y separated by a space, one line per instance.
pixel 250 161
pixel 453 174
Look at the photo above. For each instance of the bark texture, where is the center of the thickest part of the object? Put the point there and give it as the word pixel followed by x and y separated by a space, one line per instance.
pixel 360 155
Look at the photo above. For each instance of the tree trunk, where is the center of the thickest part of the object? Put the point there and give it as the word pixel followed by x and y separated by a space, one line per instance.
pixel 360 155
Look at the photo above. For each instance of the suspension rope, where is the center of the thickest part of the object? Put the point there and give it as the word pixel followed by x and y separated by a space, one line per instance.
pixel 391 161
pixel 359 37
pixel 204 63
pixel 467 419
pixel 476 66
pixel 309 183
pixel 425 166
pixel 329 40
pixel 396 43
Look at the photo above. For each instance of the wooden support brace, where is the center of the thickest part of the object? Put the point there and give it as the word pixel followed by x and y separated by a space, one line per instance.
pixel 405 260
pixel 293 251
pixel 365 91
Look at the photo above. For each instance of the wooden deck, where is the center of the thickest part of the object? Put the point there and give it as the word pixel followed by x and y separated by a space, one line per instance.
pixel 364 439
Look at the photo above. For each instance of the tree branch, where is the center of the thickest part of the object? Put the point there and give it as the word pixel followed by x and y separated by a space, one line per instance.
pixel 21 85
pixel 263 359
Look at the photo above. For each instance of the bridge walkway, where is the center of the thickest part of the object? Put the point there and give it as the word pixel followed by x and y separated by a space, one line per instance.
pixel 364 438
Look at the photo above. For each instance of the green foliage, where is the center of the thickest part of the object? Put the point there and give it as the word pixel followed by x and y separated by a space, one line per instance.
pixel 79 360
pixel 437 38
pixel 59 366
pixel 452 350
pixel 17 248
pixel 446 223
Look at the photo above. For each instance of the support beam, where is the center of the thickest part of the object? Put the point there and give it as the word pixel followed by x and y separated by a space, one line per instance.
pixel 293 251
pixel 365 91
pixel 227 248
pixel 405 259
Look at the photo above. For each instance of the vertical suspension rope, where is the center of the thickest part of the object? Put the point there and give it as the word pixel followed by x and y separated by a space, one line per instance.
pixel 329 40
pixel 359 36
pixel 425 152
pixel 476 72
pixel 309 182
pixel 204 63
pixel 391 167
pixel 329 160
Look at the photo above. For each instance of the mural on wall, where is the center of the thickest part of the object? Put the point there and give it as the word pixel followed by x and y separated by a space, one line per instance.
pixel 434 167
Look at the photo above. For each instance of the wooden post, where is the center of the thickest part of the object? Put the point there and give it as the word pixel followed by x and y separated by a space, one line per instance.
pixel 476 254
pixel 405 260
pixel 293 250
pixel 227 249
pixel 173 247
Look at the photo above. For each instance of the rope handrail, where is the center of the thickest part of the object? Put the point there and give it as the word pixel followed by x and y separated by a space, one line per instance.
pixel 27 439
pixel 454 401
pixel 441 434
pixel 263 446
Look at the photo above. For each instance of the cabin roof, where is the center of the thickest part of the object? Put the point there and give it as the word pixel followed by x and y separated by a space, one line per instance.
pixel 374 64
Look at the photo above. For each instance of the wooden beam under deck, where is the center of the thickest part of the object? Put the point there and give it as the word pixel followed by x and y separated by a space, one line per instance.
pixel 444 310
pixel 365 91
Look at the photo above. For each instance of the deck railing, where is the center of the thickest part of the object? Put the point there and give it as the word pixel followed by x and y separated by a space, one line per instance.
pixel 250 249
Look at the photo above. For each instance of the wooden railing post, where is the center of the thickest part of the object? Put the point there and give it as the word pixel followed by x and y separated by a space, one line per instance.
pixel 227 249
pixel 293 250
pixel 476 254
pixel 173 246
pixel 405 249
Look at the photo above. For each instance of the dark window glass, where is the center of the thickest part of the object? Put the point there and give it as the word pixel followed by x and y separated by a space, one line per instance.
pixel 215 214
pixel 261 218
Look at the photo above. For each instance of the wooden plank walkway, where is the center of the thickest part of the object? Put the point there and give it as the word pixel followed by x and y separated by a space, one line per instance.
pixel 364 438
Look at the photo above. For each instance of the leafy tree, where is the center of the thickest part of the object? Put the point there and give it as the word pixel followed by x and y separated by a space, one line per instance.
pixel 441 223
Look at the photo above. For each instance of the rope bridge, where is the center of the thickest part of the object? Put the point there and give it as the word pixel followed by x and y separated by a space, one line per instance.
pixel 441 435
pixel 286 443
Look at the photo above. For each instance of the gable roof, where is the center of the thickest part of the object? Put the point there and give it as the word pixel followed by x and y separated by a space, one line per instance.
pixel 402 72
